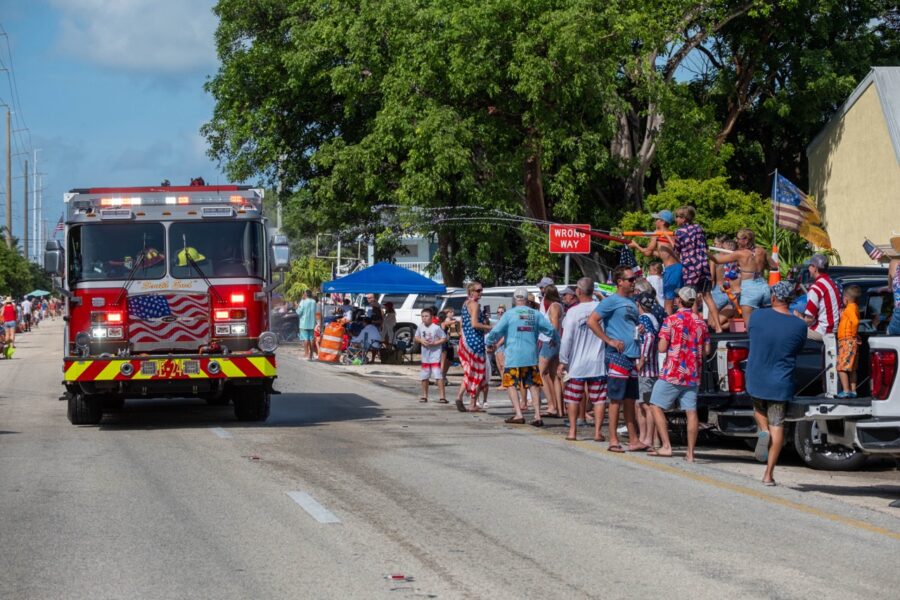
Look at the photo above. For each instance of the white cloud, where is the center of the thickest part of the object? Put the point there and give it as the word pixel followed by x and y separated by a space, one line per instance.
pixel 165 37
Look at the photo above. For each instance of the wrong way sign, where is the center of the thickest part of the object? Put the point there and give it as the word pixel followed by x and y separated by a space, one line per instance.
pixel 570 239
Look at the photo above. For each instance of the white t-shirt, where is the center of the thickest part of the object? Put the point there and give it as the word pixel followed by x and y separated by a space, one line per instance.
pixel 430 333
pixel 581 349
pixel 26 307
pixel 657 282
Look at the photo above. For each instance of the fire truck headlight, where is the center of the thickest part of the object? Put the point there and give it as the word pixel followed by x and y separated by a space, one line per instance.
pixel 98 332
pixel 82 340
pixel 268 341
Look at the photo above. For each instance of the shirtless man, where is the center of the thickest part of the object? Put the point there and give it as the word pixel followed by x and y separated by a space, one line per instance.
pixel 752 260
pixel 662 245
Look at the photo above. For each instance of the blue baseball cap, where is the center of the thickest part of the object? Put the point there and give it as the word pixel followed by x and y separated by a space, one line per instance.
pixel 665 215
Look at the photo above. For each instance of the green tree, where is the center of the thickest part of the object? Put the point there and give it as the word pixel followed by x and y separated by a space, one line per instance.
pixel 306 273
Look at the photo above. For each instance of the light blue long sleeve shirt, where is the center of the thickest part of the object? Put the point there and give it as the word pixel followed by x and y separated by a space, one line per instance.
pixel 520 326
pixel 307 313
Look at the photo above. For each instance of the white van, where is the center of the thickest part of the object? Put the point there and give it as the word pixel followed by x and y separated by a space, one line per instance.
pixel 490 298
pixel 408 308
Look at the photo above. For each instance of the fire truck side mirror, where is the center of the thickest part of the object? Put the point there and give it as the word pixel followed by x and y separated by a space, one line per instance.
pixel 281 253
pixel 53 257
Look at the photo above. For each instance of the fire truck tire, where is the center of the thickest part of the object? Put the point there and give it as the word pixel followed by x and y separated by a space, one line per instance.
pixel 84 409
pixel 251 403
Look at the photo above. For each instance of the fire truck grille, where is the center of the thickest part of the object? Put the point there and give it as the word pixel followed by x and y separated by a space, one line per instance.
pixel 168 321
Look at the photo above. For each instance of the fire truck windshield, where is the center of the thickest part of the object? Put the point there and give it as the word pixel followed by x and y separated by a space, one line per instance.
pixel 110 251
pixel 217 249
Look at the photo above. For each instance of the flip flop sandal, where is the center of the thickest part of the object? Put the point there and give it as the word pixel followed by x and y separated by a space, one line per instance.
pixel 568 439
pixel 616 448
pixel 536 423
pixel 442 401
pixel 657 454
pixel 423 399
pixel 515 420
pixel 769 483
pixel 460 406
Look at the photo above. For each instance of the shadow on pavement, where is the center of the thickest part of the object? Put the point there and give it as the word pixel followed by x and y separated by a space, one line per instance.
pixel 288 410
pixel 888 492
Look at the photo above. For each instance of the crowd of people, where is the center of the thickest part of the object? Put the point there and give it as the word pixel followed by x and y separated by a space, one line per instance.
pixel 21 316
pixel 638 352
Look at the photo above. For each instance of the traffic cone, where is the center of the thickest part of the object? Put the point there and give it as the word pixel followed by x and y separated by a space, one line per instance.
pixel 774 274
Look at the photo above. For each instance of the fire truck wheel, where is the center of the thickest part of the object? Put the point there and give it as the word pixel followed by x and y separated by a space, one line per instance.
pixel 251 403
pixel 84 409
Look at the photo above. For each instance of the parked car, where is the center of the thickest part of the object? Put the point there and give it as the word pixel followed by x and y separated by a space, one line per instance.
pixel 491 298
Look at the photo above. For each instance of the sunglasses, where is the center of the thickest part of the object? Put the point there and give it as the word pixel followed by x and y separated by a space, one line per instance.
pixel 632 279
pixel 479 290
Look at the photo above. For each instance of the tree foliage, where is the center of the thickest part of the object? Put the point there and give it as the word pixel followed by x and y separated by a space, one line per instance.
pixel 17 275
pixel 561 110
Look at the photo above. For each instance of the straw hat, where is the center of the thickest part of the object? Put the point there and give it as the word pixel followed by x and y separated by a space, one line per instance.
pixel 895 243
pixel 8 300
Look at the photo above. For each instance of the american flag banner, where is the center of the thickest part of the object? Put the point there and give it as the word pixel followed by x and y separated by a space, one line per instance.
pixel 874 252
pixel 795 211
pixel 60 227
pixel 792 207
pixel 168 320
pixel 627 259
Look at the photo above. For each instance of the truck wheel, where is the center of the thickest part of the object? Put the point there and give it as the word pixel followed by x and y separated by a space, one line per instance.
pixel 812 445
pixel 251 403
pixel 84 409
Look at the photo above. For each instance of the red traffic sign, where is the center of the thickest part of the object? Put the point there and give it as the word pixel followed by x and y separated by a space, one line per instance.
pixel 570 239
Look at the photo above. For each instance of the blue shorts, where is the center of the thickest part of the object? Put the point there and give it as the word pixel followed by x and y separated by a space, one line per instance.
pixel 549 350
pixel 755 293
pixel 665 394
pixel 9 324
pixel 673 280
pixel 721 298
pixel 306 335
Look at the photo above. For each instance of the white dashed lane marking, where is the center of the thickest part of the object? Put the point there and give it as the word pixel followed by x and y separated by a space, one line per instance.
pixel 315 510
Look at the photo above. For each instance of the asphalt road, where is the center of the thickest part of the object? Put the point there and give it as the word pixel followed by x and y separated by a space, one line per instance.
pixel 174 499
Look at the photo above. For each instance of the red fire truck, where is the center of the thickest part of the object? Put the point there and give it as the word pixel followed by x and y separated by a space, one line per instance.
pixel 167 295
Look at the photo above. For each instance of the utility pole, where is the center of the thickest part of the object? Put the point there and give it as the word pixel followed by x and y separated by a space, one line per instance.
pixel 36 226
pixel 25 247
pixel 8 180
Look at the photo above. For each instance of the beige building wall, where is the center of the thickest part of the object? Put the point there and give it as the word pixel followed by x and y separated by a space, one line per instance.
pixel 855 177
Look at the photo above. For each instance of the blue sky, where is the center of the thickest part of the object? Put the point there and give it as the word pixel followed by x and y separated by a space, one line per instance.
pixel 111 92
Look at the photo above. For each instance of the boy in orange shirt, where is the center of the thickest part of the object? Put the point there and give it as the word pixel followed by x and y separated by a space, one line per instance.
pixel 847 342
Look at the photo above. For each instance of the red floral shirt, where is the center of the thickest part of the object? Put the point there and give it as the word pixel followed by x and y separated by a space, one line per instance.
pixel 686 333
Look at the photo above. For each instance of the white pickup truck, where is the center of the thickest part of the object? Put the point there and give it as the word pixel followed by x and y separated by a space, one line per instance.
pixel 870 424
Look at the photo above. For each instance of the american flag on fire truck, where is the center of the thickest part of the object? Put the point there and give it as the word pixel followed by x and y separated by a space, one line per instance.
pixel 158 318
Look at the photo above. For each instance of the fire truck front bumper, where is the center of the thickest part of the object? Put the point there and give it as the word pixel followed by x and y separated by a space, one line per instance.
pixel 180 368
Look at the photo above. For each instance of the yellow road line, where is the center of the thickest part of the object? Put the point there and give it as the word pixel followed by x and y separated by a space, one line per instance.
pixel 659 465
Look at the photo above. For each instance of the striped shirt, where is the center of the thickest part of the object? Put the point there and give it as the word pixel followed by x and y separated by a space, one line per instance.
pixel 823 303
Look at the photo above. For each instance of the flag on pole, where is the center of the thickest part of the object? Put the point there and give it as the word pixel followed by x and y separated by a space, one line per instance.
pixel 59 227
pixel 795 211
pixel 874 252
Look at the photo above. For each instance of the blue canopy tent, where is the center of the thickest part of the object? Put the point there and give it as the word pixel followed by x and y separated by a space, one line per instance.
pixel 384 278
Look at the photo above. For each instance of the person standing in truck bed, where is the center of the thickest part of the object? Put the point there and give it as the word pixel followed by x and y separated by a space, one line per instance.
pixel 776 338
pixel 823 300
